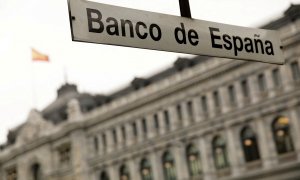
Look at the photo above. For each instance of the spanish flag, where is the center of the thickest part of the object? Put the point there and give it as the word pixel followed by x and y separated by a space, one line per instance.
pixel 37 56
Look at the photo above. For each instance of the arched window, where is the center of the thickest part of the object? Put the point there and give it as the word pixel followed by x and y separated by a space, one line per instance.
pixel 249 143
pixel 146 172
pixel 168 166
pixel 104 176
pixel 124 173
pixel 36 172
pixel 220 152
pixel 193 160
pixel 282 136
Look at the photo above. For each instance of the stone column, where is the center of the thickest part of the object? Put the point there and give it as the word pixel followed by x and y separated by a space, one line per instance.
pixel 253 89
pixel 270 84
pixel 211 105
pixel 266 144
pixel 162 124
pixel 151 126
pixel 133 166
pixel 233 152
pixel 120 137
pixel 113 172
pixel 178 152
pixel 239 94
pixel 79 154
pixel 140 130
pixel 225 105
pixel 287 77
pixel 197 109
pixel 206 159
pixel 129 134
pixel 110 140
pixel 173 118
pixel 185 115
pixel 295 130
pixel 101 150
pixel 156 164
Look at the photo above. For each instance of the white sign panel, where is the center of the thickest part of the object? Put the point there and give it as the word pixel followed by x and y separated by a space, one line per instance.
pixel 100 23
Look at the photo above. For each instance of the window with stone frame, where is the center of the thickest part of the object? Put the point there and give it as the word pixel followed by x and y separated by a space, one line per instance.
pixel 167 119
pixel 115 138
pixel 144 126
pixel 146 170
pixel 190 110
pixel 295 70
pixel 123 129
pixel 204 105
pixel 249 144
pixel 156 122
pixel 104 176
pixel 245 88
pixel 64 154
pixel 220 152
pixel 282 135
pixel 11 173
pixel 262 86
pixel 276 77
pixel 168 164
pixel 232 95
pixel 134 129
pixel 193 161
pixel 179 112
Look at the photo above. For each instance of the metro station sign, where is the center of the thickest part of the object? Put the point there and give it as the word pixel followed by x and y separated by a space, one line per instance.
pixel 106 24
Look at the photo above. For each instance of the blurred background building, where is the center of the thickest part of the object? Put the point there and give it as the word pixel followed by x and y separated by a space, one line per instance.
pixel 203 118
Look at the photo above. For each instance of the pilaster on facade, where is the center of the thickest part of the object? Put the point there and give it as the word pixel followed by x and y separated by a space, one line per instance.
pixel 234 152
pixel 266 145
pixel 211 105
pixel 120 138
pixel 141 132
pixel 162 124
pixel 151 126
pixel 198 111
pixel 253 89
pixel 113 171
pixel 270 83
pixel 295 133
pixel 239 95
pixel 133 166
pixel 185 114
pixel 178 151
pixel 287 77
pixel 225 104
pixel 173 118
pixel 79 153
pixel 206 159
pixel 156 163
pixel 129 134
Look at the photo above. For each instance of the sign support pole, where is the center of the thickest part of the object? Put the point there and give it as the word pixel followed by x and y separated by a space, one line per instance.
pixel 185 10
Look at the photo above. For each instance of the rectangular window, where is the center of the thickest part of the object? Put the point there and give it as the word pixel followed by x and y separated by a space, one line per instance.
pixel 144 124
pixel 216 99
pixel 245 88
pixel 276 77
pixel 134 129
pixel 104 143
pixel 262 82
pixel 167 119
pixel 64 152
pixel 190 110
pixel 11 173
pixel 96 143
pixel 204 104
pixel 295 71
pixel 232 95
pixel 156 123
pixel 179 112
pixel 115 136
pixel 123 132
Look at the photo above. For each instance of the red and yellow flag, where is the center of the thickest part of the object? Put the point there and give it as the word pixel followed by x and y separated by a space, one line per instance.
pixel 37 56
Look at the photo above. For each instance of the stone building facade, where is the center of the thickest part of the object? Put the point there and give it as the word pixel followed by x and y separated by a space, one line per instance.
pixel 203 118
